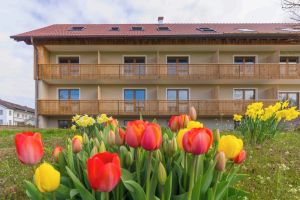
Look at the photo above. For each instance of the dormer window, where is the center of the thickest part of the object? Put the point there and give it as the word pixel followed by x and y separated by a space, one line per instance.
pixel 206 29
pixel 115 28
pixel 246 30
pixel 291 29
pixel 76 28
pixel 137 28
pixel 163 28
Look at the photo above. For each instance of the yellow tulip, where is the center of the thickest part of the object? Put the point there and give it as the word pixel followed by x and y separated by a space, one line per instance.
pixel 79 137
pixel 180 136
pixel 230 145
pixel 46 178
pixel 194 124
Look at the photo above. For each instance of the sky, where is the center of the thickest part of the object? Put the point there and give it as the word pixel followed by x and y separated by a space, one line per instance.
pixel 17 16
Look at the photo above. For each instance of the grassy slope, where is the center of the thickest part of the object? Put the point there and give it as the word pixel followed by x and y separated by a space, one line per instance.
pixel 274 169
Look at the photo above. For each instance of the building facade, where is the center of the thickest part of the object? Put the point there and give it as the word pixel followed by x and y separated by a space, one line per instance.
pixel 14 114
pixel 159 70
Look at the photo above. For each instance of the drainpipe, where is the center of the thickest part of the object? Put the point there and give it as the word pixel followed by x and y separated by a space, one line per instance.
pixel 36 82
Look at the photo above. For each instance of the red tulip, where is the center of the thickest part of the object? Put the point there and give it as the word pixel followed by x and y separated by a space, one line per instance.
pixel 134 132
pixel 76 145
pixel 240 158
pixel 178 122
pixel 152 137
pixel 104 171
pixel 56 152
pixel 197 140
pixel 120 137
pixel 29 147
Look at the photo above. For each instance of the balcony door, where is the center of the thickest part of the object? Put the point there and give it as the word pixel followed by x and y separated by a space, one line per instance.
pixel 134 100
pixel 288 66
pixel 134 65
pixel 68 103
pixel 69 65
pixel 245 65
pixel 178 65
pixel 293 98
pixel 178 100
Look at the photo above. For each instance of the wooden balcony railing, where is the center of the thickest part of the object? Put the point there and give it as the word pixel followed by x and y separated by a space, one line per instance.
pixel 153 108
pixel 167 71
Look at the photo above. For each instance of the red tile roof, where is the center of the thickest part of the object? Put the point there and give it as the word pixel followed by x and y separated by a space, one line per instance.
pixel 103 30
pixel 14 106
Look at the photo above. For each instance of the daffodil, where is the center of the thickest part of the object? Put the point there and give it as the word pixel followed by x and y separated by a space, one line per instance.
pixel 103 118
pixel 237 117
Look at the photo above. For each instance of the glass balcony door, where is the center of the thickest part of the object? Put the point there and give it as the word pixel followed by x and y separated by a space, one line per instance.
pixel 69 65
pixel 178 100
pixel 245 65
pixel 178 65
pixel 68 101
pixel 134 100
pixel 134 66
pixel 288 65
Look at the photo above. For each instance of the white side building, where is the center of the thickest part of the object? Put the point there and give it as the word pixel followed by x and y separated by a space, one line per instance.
pixel 14 114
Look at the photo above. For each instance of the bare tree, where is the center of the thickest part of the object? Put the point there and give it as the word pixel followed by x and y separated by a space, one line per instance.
pixel 292 6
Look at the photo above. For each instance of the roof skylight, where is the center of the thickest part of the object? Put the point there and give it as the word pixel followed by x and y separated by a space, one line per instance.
pixel 205 29
pixel 76 28
pixel 246 30
pixel 163 28
pixel 291 29
pixel 115 28
pixel 137 28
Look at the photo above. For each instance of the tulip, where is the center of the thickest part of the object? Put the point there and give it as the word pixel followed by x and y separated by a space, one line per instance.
pixel 134 132
pixel 29 147
pixel 193 113
pixel 56 152
pixel 102 147
pixel 221 161
pixel 194 124
pixel 128 159
pixel 46 178
pixel 120 137
pixel 76 145
pixel 152 137
pixel 158 155
pixel 240 158
pixel 180 136
pixel 94 151
pixel 79 137
pixel 111 137
pixel 197 140
pixel 231 146
pixel 104 171
pixel 162 174
pixel 178 122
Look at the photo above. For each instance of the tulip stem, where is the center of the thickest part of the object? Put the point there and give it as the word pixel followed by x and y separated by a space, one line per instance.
pixel 137 166
pixel 185 170
pixel 191 186
pixel 53 195
pixel 148 176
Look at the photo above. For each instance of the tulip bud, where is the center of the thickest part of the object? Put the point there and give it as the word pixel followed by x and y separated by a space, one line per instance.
pixel 56 152
pixel 102 147
pixel 111 137
pixel 221 161
pixel 76 145
pixel 217 136
pixel 157 155
pixel 96 142
pixel 193 113
pixel 128 159
pixel 162 175
pixel 240 158
pixel 85 138
pixel 94 151
pixel 174 145
pixel 120 137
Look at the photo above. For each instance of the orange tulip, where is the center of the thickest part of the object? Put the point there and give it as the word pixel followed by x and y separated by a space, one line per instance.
pixel 152 137
pixel 240 158
pixel 178 122
pixel 56 152
pixel 29 147
pixel 76 145
pixel 197 141
pixel 134 132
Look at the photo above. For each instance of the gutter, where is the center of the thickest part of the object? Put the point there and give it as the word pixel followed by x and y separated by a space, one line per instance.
pixel 36 83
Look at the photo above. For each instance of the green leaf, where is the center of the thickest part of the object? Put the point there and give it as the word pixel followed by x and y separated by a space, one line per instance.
pixel 126 175
pixel 136 191
pixel 221 189
pixel 84 193
pixel 62 192
pixel 183 196
pixel 32 191
pixel 196 190
pixel 73 193
pixel 207 177
pixel 168 187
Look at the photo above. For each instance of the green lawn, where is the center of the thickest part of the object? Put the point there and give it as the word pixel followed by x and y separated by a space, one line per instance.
pixel 273 170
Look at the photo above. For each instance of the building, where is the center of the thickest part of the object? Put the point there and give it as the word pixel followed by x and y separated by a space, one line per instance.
pixel 159 70
pixel 14 114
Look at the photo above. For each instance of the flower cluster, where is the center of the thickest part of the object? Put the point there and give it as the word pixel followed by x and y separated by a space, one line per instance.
pixel 83 121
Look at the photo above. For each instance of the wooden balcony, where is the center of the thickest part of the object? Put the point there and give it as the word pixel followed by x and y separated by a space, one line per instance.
pixel 168 71
pixel 153 108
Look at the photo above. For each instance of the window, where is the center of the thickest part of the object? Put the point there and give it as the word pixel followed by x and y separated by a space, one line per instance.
pixel 244 94
pixel 10 122
pixel 68 94
pixel 76 28
pixel 137 28
pixel 163 28
pixel 9 112
pixel 206 29
pixel 134 65
pixel 291 29
pixel 115 28
pixel 134 99
pixel 246 30
pixel 1 121
pixel 1 112
pixel 69 65
pixel 293 98
pixel 244 59
pixel 18 115
pixel 64 123
pixel 178 65
pixel 288 65
pixel 245 65
pixel 177 100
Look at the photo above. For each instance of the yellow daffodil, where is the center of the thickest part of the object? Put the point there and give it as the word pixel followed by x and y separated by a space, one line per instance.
pixel 194 124
pixel 79 137
pixel 230 145
pixel 46 178
pixel 75 118
pixel 285 104
pixel 73 127
pixel 102 118
pixel 180 136
pixel 255 110
pixel 237 118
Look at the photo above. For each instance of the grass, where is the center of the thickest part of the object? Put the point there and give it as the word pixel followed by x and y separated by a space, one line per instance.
pixel 273 169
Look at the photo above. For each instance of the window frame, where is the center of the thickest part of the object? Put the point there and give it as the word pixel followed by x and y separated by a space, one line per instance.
pixel 79 92
pixel 177 89
pixel 297 92
pixel 255 57
pixel 245 89
pixel 67 120
pixel 1 112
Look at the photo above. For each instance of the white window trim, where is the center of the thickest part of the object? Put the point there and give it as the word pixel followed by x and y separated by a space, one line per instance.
pixel 245 55
pixel 178 55
pixel 179 88
pixel 255 90
pixel 58 56
pixel 134 88
pixel 67 88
